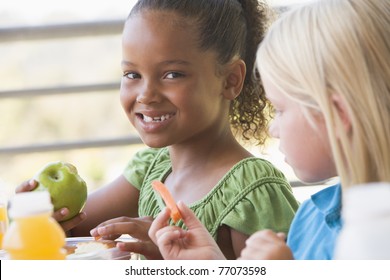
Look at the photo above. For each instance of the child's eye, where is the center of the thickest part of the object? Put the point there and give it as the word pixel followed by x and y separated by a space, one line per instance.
pixel 173 75
pixel 131 75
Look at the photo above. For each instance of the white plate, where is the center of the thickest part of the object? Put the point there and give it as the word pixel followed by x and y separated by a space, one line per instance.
pixel 106 254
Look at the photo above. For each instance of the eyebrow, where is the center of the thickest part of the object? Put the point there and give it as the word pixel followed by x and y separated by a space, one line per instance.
pixel 127 63
pixel 167 62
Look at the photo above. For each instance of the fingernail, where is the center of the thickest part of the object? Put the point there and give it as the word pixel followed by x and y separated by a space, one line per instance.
pixel 101 230
pixel 63 211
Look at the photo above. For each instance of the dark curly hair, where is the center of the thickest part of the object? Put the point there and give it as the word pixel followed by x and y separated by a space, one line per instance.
pixel 231 28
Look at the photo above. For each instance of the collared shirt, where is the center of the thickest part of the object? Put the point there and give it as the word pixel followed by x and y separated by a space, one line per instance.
pixel 316 225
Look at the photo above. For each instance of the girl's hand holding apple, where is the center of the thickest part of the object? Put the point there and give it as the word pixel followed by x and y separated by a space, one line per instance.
pixel 68 191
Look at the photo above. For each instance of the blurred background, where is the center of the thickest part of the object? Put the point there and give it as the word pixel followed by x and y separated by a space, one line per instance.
pixel 59 91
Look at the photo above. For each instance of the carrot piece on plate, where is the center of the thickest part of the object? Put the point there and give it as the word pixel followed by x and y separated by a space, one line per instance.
pixel 97 237
pixel 168 199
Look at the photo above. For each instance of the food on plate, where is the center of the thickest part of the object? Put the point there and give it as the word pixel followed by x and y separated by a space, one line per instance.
pixel 87 248
pixel 97 237
pixel 83 247
pixel 66 187
pixel 70 249
pixel 94 246
pixel 168 199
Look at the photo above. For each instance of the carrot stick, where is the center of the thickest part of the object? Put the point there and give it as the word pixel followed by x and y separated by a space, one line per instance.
pixel 168 199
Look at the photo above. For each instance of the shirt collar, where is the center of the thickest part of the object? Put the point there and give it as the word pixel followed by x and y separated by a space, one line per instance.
pixel 328 201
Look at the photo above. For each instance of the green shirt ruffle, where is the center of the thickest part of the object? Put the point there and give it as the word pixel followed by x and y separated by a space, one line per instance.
pixel 252 196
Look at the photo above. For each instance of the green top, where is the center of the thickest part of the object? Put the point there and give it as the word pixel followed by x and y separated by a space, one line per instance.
pixel 252 196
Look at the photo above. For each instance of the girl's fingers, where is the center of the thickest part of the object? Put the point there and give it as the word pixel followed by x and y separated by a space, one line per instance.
pixel 60 214
pixel 160 222
pixel 69 224
pixel 115 230
pixel 189 218
pixel 160 228
pixel 136 227
pixel 147 249
pixel 282 236
pixel 27 186
pixel 165 238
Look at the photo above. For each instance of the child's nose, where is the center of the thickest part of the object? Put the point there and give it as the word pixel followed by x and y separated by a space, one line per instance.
pixel 148 93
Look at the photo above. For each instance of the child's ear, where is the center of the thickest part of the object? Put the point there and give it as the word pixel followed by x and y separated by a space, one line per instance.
pixel 235 77
pixel 341 107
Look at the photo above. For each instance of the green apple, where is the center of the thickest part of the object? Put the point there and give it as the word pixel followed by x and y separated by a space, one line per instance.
pixel 66 187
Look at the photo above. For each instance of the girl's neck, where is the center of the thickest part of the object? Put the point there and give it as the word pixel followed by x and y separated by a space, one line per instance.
pixel 197 169
pixel 190 155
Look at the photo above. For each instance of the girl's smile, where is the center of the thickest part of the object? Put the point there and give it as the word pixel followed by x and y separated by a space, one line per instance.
pixel 152 121
pixel 162 118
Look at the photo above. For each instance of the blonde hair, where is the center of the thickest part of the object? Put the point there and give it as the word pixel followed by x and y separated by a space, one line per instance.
pixel 338 47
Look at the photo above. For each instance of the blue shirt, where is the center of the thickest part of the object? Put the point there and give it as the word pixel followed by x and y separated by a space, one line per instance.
pixel 316 226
